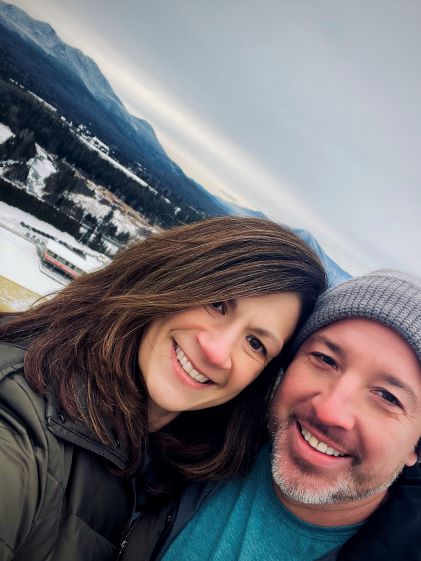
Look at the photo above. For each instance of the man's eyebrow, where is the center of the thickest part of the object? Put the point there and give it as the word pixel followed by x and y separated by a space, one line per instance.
pixel 386 377
pixel 326 341
pixel 398 383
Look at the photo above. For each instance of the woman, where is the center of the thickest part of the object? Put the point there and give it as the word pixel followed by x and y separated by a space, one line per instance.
pixel 147 358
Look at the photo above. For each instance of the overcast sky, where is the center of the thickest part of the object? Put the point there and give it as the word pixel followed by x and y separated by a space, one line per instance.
pixel 309 111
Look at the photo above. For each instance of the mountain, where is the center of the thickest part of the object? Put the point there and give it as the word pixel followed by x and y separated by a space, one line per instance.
pixel 34 56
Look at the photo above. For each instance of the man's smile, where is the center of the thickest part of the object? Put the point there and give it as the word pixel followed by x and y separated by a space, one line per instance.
pixel 311 447
pixel 319 444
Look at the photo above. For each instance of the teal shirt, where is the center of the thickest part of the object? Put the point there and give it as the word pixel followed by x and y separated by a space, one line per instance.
pixel 245 521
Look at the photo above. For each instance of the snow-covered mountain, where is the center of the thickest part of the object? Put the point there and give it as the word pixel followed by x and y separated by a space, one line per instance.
pixel 44 36
pixel 36 57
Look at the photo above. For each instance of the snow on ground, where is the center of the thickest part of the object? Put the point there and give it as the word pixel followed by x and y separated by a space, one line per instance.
pixel 88 141
pixel 5 165
pixel 12 216
pixel 123 224
pixel 5 133
pixel 125 219
pixel 19 262
pixel 83 131
pixel 90 205
pixel 18 257
pixel 40 167
pixel 100 210
pixel 51 107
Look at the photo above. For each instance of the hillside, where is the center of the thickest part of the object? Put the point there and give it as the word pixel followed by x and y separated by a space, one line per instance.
pixel 80 159
pixel 34 56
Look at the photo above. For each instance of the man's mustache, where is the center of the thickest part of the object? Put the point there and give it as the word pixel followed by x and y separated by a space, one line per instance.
pixel 336 437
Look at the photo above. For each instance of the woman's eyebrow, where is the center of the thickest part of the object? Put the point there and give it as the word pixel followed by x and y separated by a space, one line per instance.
pixel 265 333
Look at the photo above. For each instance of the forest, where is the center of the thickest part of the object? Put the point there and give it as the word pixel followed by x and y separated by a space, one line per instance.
pixel 33 121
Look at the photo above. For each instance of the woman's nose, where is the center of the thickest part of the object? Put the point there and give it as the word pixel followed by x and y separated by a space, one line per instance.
pixel 216 347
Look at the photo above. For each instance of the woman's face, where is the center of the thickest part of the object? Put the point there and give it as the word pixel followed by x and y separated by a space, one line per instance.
pixel 206 355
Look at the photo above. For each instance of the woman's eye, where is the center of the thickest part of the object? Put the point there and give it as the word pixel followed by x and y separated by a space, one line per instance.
pixel 220 307
pixel 256 344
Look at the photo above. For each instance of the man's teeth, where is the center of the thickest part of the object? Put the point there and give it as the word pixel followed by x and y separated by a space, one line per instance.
pixel 188 368
pixel 319 445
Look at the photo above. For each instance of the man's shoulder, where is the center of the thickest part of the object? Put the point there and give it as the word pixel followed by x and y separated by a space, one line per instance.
pixel 393 530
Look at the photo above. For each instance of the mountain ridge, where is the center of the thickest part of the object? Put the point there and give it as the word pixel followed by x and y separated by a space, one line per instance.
pixel 68 79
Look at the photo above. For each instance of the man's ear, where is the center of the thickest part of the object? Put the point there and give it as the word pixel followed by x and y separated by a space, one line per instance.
pixel 278 380
pixel 413 456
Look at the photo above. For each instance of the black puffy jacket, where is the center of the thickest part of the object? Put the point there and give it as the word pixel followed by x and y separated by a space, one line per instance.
pixel 58 498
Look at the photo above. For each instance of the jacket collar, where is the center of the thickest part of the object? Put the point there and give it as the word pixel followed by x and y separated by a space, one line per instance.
pixel 58 422
pixel 79 434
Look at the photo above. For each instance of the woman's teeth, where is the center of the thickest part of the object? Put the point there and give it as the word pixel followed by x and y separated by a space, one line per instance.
pixel 319 445
pixel 188 368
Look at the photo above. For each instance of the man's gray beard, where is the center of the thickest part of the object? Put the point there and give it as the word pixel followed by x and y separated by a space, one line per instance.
pixel 354 486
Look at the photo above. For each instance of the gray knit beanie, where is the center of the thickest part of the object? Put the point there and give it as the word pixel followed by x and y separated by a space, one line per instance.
pixel 390 297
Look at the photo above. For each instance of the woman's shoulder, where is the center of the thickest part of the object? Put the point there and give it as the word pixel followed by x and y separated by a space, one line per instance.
pixel 12 357
pixel 23 410
pixel 12 353
pixel 24 451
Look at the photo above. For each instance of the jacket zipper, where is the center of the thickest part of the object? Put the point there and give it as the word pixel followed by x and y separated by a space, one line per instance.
pixel 169 522
pixel 130 525
pixel 156 550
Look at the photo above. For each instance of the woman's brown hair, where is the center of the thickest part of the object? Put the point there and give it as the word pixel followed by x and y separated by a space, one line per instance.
pixel 88 335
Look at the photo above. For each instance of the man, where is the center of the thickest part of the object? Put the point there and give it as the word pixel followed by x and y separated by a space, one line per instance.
pixel 345 424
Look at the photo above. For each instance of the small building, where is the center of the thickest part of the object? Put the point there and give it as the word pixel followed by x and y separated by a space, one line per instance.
pixel 61 259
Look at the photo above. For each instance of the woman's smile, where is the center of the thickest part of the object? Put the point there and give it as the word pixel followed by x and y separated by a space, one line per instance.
pixel 186 367
pixel 205 356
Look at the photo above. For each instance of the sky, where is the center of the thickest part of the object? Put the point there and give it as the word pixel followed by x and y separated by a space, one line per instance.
pixel 309 111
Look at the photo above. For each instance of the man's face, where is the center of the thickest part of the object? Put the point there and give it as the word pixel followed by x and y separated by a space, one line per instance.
pixel 347 416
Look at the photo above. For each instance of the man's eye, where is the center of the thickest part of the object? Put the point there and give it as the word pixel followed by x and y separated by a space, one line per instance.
pixel 256 344
pixel 389 397
pixel 220 307
pixel 326 359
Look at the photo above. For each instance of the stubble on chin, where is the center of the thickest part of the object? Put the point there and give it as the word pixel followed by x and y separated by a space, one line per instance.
pixel 295 479
pixel 303 483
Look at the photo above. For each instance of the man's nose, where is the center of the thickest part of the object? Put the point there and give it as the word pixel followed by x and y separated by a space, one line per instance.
pixel 217 347
pixel 336 405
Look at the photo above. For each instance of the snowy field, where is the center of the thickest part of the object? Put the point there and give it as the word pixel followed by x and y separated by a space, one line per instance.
pixel 5 133
pixel 19 260
pixel 22 279
pixel 40 167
